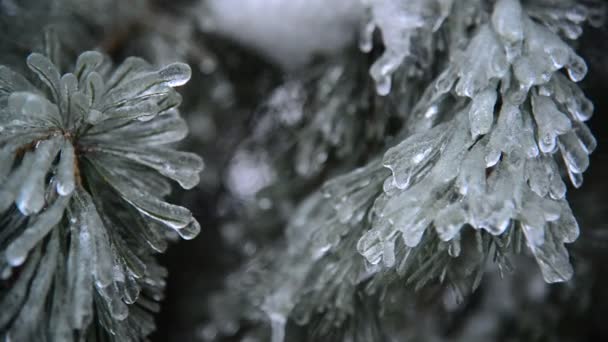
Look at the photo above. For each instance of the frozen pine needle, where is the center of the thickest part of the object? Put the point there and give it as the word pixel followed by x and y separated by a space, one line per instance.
pixel 475 174
pixel 73 151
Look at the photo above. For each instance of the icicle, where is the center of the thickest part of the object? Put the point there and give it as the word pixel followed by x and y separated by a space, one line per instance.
pixel 575 178
pixel 472 177
pixel 65 170
pixel 413 227
pixel 171 215
pixel 190 231
pixel 449 220
pixel 34 306
pixel 118 309
pixel 577 68
pixel 557 186
pixel 131 290
pixel 80 264
pixel 586 137
pixel 182 167
pixel 30 199
pixel 476 71
pixel 538 177
pixel 94 229
pixel 529 145
pixel 552 257
pixel 369 247
pixel 507 20
pixel 277 325
pixel 388 253
pixel 9 189
pixel 411 155
pixel 481 114
pixel 573 153
pixel 366 37
pixel 103 266
pixel 566 228
pixel 551 122
pixel 17 251
pixel 12 302
pixel 163 130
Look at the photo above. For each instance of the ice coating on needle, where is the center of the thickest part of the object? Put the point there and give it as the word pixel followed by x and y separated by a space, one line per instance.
pixel 400 22
pixel 525 119
pixel 86 163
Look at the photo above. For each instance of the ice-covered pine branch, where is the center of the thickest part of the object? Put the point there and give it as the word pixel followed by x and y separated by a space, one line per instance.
pixel 315 117
pixel 493 160
pixel 477 176
pixel 84 164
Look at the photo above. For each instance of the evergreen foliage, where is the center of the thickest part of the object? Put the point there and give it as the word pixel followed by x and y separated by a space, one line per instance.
pixel 84 170
pixel 473 177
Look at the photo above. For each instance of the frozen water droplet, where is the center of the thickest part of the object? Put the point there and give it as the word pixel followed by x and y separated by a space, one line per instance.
pixel 190 231
pixel 65 170
pixel 586 138
pixel 492 158
pixel 559 56
pixel 573 152
pixel 431 111
pixel 577 68
pixel 383 85
pixel 401 180
pixel 17 258
pixel 175 74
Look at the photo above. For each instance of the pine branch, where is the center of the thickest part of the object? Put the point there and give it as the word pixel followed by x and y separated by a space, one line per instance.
pixel 84 165
pixel 476 177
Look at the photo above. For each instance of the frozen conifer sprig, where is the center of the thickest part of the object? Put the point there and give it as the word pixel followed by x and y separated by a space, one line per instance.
pixel 477 178
pixel 405 26
pixel 400 23
pixel 83 170
pixel 322 115
pixel 494 162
